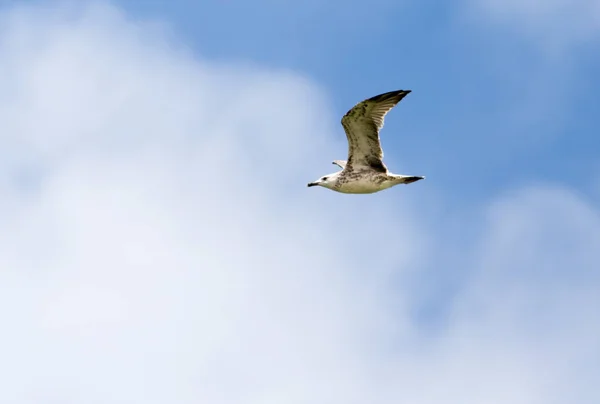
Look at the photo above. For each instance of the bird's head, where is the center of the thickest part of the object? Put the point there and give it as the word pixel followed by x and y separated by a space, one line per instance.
pixel 327 181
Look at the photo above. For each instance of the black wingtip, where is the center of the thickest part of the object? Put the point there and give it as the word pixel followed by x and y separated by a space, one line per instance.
pixel 391 94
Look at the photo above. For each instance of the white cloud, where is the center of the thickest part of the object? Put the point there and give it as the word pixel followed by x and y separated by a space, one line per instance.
pixel 150 253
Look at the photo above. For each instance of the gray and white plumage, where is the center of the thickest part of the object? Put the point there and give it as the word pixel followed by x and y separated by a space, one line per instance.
pixel 364 172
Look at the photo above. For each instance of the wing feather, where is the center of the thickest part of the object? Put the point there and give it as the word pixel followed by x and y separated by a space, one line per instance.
pixel 362 124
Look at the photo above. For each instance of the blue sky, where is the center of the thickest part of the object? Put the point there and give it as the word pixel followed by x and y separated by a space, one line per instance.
pixel 485 88
pixel 493 106
pixel 157 233
pixel 490 101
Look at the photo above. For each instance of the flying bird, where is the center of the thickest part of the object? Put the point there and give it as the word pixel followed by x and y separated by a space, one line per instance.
pixel 364 171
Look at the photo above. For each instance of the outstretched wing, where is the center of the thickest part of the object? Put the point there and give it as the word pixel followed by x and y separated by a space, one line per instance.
pixel 340 163
pixel 362 125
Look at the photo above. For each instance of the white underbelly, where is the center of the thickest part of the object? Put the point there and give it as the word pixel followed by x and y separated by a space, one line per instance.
pixel 362 186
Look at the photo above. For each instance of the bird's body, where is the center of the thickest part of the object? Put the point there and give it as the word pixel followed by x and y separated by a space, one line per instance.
pixel 364 171
pixel 366 181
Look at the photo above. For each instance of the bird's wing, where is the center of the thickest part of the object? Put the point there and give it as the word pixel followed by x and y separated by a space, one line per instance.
pixel 362 125
pixel 340 163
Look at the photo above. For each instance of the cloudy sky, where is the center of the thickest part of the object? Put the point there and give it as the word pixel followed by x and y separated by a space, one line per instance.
pixel 158 243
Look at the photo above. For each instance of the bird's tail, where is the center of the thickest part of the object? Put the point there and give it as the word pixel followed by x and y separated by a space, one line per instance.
pixel 409 179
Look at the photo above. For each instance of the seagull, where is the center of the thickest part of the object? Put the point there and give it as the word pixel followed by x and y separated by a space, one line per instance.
pixel 364 171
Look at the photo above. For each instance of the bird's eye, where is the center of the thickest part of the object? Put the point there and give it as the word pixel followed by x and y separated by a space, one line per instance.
pixel 324 178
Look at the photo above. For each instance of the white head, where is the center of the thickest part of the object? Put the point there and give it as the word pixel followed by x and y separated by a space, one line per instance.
pixel 327 181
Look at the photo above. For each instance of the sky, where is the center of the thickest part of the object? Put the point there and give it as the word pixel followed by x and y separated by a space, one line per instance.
pixel 158 243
